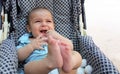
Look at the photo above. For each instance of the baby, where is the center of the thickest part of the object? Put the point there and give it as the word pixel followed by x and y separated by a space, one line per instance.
pixel 43 49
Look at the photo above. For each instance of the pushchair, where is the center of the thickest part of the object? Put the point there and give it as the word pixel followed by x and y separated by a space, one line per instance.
pixel 67 15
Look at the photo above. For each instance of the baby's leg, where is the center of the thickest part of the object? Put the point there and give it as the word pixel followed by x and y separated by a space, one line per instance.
pixel 71 59
pixel 67 58
pixel 52 61
pixel 54 53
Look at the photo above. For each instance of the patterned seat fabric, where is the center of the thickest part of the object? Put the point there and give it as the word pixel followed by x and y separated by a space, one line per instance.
pixel 8 57
pixel 66 14
pixel 0 15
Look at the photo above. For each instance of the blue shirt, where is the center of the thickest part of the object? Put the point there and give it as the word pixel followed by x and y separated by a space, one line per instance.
pixel 36 54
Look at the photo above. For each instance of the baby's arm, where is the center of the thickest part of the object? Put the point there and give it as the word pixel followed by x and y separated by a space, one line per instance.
pixel 62 39
pixel 25 51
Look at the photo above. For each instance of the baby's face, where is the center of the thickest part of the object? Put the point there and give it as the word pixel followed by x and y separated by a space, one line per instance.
pixel 40 22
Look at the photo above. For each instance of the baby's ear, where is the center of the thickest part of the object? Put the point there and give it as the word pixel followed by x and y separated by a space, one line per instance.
pixel 28 28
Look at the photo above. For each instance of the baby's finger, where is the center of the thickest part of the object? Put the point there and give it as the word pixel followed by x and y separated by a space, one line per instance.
pixel 43 39
pixel 43 43
pixel 41 48
pixel 39 37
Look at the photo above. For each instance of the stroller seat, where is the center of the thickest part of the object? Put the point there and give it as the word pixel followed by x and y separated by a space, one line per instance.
pixel 67 18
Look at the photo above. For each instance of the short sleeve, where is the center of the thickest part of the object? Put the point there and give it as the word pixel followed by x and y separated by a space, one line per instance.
pixel 23 40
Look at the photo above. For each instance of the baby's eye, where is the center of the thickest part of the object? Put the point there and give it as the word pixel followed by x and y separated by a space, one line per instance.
pixel 48 21
pixel 37 21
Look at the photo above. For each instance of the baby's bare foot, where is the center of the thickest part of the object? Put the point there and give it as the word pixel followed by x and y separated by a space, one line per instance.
pixel 66 53
pixel 54 53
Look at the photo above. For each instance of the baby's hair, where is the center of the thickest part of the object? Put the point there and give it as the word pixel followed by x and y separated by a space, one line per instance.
pixel 35 9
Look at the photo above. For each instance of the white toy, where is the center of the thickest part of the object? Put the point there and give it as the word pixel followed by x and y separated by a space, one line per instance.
pixel 84 68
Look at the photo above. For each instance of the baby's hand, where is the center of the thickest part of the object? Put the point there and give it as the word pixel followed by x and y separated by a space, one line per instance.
pixel 38 42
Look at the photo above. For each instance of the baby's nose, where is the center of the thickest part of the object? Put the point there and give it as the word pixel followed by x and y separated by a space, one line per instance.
pixel 43 24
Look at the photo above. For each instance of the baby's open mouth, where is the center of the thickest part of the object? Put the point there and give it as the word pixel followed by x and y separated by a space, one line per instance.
pixel 43 31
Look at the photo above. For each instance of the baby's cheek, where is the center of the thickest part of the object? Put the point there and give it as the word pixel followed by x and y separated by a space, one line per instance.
pixel 51 28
